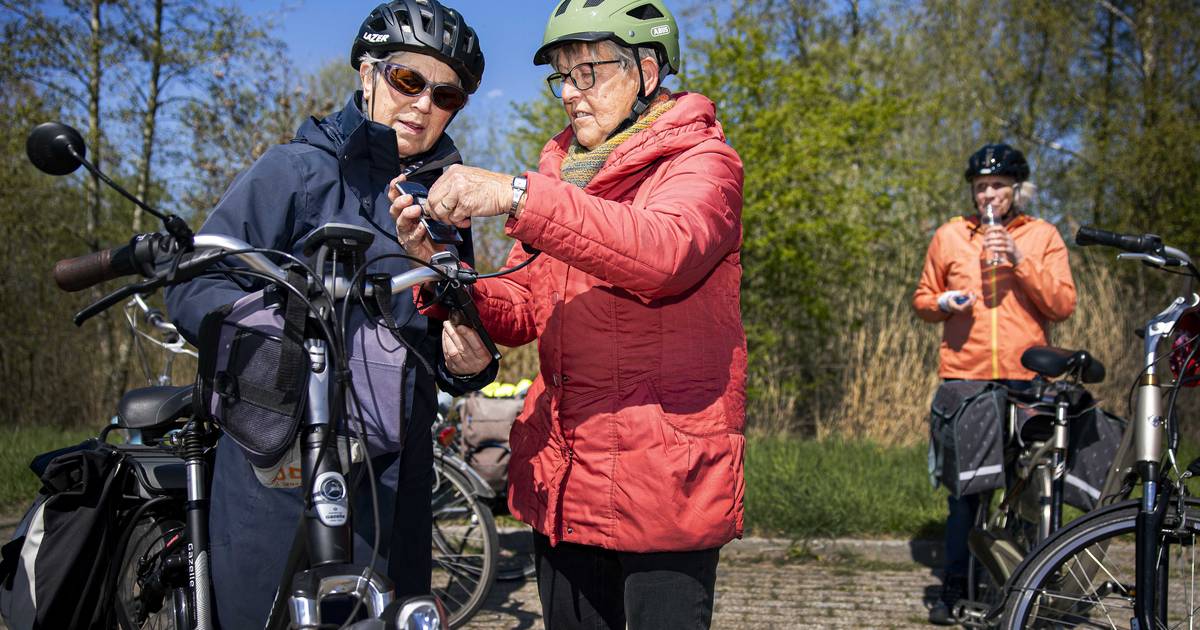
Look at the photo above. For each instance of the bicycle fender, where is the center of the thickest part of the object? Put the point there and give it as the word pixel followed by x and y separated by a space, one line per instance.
pixel 478 485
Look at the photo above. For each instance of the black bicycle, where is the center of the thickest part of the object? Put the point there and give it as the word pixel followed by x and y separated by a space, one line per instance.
pixel 163 555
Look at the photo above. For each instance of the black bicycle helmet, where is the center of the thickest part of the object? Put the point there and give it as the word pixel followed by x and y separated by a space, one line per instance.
pixel 426 27
pixel 998 159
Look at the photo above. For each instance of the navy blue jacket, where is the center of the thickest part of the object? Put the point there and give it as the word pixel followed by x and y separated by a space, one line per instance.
pixel 335 170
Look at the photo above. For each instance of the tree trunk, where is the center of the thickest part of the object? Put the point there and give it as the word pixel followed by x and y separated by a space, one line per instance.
pixel 150 117
pixel 104 338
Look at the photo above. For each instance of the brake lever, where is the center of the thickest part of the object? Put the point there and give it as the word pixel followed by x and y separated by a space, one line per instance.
pixel 456 297
pixel 466 306
pixel 120 295
pixel 1150 259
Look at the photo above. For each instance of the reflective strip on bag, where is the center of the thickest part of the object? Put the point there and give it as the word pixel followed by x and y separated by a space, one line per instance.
pixel 1086 487
pixel 968 475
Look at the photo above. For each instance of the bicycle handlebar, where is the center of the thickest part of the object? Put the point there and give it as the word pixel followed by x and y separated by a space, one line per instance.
pixel 81 272
pixel 1137 243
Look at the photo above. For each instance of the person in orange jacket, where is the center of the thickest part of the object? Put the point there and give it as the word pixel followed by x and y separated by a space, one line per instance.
pixel 996 284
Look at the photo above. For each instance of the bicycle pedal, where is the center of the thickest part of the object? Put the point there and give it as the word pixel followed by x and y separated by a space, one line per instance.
pixel 971 614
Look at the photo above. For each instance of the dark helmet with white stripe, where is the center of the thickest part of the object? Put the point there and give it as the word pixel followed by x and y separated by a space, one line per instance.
pixel 998 159
pixel 426 27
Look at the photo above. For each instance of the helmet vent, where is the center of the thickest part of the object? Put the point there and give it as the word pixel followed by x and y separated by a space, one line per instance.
pixel 645 12
pixel 378 25
pixel 562 8
pixel 592 3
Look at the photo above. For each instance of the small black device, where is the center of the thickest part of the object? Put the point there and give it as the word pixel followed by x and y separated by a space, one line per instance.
pixel 441 233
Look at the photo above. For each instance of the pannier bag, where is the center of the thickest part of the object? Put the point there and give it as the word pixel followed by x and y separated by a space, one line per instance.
pixel 59 569
pixel 966 437
pixel 1094 442
pixel 486 423
pixel 253 372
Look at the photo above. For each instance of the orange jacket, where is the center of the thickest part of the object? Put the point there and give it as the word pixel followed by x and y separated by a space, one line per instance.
pixel 1015 305
pixel 631 435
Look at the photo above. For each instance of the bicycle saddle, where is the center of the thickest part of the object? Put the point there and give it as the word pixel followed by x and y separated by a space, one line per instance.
pixel 1054 362
pixel 150 407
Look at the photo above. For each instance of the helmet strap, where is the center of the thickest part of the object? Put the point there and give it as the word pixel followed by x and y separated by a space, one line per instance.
pixel 640 104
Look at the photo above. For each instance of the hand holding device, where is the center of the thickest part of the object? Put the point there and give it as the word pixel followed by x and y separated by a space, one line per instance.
pixel 440 233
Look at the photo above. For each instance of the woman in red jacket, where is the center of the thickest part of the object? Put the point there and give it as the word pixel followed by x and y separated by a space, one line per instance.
pixel 627 459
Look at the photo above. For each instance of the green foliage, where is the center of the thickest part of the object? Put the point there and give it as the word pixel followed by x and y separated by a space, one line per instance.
pixel 812 129
pixel 536 122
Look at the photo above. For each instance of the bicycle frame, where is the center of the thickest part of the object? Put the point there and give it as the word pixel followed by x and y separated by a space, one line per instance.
pixel 1149 429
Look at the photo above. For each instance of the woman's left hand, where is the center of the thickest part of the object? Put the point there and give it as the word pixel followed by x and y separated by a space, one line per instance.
pixel 463 192
pixel 997 239
pixel 409 231
pixel 462 349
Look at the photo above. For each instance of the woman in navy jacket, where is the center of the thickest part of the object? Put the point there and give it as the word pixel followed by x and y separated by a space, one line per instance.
pixel 416 74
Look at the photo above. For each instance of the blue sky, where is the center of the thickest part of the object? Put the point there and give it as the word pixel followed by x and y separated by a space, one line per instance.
pixel 510 31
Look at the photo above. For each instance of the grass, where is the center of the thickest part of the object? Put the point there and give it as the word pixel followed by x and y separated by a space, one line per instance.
pixel 18 445
pixel 826 488
pixel 795 488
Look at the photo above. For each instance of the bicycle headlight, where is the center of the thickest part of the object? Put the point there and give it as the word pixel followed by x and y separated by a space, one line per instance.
pixel 421 613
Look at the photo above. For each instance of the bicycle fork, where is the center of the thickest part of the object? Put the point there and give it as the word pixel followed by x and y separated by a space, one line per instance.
pixel 1150 578
pixel 199 580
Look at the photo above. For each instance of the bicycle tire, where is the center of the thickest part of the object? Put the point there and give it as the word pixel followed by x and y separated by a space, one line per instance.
pixel 1084 573
pixel 141 601
pixel 516 561
pixel 465 546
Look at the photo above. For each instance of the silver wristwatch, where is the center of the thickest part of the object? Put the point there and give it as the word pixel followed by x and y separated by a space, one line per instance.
pixel 519 184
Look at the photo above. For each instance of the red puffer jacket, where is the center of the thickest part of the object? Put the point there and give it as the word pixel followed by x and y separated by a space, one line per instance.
pixel 631 436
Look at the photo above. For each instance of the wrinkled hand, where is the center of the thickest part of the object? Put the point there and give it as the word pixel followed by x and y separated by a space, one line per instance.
pixel 463 192
pixel 409 231
pixel 462 349
pixel 998 241
pixel 947 301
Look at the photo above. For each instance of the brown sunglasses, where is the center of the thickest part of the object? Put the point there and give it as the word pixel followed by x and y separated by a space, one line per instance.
pixel 409 82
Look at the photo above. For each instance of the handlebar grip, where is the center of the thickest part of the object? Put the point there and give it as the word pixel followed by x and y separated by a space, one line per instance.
pixel 76 274
pixel 1137 243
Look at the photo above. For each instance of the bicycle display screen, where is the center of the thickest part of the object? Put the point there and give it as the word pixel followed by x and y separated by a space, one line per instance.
pixel 441 233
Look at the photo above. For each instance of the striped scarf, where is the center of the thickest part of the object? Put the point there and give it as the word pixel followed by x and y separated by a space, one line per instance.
pixel 581 165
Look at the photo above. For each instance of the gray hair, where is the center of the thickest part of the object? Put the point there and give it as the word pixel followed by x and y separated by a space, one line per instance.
pixel 396 57
pixel 604 48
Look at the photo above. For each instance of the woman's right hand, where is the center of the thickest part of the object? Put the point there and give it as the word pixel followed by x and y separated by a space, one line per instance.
pixel 409 231
pixel 955 302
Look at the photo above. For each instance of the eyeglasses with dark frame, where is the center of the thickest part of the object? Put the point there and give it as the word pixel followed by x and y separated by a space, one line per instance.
pixel 583 76
pixel 409 82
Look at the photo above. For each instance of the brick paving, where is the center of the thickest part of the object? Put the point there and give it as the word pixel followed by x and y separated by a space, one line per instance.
pixel 767 584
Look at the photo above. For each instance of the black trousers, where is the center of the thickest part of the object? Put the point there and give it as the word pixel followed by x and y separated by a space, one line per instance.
pixel 585 587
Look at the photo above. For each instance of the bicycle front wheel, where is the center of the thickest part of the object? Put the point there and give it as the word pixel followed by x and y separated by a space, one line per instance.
pixel 465 545
pixel 1083 576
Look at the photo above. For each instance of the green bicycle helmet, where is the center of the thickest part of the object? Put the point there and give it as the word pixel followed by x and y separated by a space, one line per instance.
pixel 627 22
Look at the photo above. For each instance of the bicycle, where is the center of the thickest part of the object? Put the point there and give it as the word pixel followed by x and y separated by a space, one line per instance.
pixel 1040 470
pixel 172 583
pixel 466 544
pixel 1120 566
pixel 515 549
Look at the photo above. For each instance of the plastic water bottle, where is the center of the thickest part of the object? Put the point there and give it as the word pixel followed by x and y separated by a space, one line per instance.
pixel 989 219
